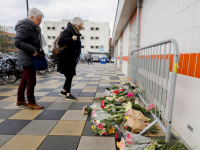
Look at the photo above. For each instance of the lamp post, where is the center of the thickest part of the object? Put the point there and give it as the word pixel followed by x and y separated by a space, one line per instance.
pixel 27 7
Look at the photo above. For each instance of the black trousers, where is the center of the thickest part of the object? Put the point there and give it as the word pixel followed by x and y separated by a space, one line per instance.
pixel 68 83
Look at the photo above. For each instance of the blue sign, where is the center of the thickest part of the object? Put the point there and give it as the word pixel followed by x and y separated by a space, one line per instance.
pixel 101 48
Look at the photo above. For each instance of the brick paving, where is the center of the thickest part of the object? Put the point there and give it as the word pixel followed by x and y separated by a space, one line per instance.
pixel 61 124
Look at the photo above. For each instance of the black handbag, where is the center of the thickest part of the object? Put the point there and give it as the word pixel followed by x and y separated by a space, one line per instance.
pixel 39 62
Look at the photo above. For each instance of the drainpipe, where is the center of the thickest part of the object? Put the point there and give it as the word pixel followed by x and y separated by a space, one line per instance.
pixel 133 79
pixel 138 23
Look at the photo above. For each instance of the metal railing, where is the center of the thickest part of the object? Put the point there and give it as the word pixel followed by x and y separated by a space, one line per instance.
pixel 154 68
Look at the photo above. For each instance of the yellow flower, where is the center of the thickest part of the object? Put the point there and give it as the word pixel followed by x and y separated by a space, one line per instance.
pixel 92 127
pixel 111 130
pixel 126 117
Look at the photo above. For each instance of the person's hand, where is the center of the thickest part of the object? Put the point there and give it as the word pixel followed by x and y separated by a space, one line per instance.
pixel 74 38
pixel 42 53
pixel 35 54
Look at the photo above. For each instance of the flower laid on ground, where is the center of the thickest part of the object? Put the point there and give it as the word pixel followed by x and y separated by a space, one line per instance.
pixel 86 110
pixel 129 139
pixel 102 104
pixel 116 92
pixel 116 135
pixel 93 113
pixel 126 114
pixel 151 107
pixel 111 130
pixel 121 145
pixel 128 106
pixel 130 95
pixel 103 128
pixel 100 126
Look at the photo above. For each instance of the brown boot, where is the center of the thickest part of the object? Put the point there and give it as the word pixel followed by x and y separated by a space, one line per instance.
pixel 35 106
pixel 21 103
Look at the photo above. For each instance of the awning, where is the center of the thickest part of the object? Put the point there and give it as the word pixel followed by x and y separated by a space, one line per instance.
pixel 125 10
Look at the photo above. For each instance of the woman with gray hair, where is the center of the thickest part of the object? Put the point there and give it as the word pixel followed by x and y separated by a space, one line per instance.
pixel 68 57
pixel 28 41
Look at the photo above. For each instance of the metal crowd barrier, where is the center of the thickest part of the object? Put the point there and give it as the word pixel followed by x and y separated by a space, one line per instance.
pixel 154 68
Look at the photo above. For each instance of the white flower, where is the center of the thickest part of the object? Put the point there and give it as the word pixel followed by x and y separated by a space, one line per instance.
pixel 128 106
pixel 97 121
pixel 107 92
pixel 114 96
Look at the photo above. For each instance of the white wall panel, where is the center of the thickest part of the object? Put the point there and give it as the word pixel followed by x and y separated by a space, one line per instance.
pixel 126 41
pixel 124 67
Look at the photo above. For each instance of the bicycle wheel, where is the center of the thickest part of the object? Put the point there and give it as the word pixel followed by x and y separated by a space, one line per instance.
pixel 42 72
pixel 11 76
pixel 50 67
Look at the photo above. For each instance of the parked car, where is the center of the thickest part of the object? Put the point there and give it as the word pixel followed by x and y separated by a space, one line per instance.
pixel 107 60
pixel 112 59
pixel 96 58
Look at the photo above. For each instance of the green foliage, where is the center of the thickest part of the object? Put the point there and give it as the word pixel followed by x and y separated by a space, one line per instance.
pixel 177 145
pixel 4 40
pixel 115 86
pixel 138 107
pixel 89 110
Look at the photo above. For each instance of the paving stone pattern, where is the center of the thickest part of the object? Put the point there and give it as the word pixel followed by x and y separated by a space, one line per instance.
pixel 61 124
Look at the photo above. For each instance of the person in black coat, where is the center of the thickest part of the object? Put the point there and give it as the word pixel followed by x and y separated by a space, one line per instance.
pixel 28 41
pixel 68 57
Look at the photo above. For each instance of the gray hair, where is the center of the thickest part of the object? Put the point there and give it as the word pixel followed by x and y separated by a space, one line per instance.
pixel 77 20
pixel 35 12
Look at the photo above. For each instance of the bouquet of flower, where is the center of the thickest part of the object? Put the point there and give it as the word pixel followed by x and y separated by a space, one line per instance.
pixel 153 108
pixel 86 110
pixel 101 129
pixel 122 145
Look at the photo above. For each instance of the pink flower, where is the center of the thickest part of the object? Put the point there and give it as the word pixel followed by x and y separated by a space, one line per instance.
pixel 93 112
pixel 130 95
pixel 122 144
pixel 102 104
pixel 151 106
pixel 127 112
pixel 84 111
pixel 129 139
pixel 105 133
pixel 100 126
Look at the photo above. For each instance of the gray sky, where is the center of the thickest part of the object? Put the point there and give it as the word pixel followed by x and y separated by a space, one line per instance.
pixel 55 10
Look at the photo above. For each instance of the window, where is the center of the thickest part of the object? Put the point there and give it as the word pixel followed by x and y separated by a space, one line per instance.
pixel 96 47
pixel 13 46
pixel 48 28
pixel 96 38
pixel 91 38
pixel 82 46
pixel 92 28
pixel 63 28
pixel 49 46
pixel 97 28
pixel 53 37
pixel 49 37
pixel 53 28
pixel 91 46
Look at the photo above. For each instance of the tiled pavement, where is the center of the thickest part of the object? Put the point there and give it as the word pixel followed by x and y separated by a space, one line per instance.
pixel 61 124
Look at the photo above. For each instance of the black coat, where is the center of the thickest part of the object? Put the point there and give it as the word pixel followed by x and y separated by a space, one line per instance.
pixel 67 58
pixel 27 41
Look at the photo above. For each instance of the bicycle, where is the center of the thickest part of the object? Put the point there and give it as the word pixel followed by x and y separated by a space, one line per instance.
pixel 7 72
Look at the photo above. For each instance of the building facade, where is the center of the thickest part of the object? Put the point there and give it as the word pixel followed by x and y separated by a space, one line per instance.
pixel 9 47
pixel 94 39
pixel 161 20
